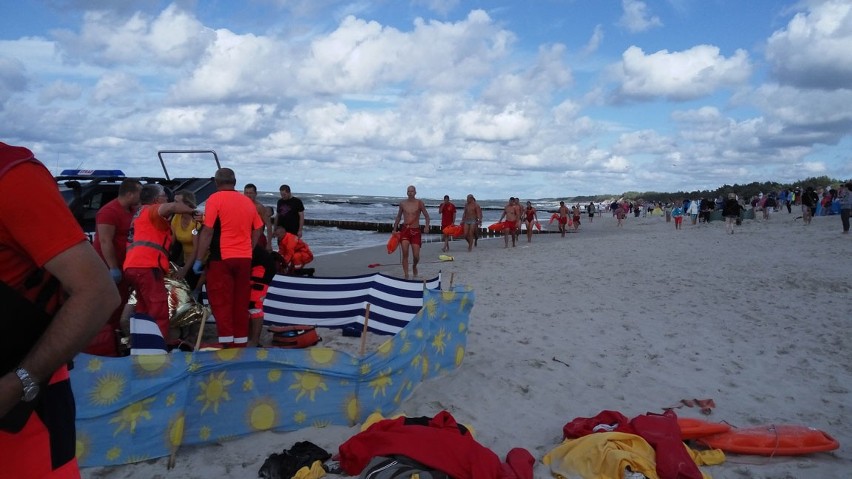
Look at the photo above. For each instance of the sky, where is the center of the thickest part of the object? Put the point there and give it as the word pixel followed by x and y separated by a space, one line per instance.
pixel 532 98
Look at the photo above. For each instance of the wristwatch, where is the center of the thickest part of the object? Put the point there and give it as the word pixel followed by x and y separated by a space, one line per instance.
pixel 31 387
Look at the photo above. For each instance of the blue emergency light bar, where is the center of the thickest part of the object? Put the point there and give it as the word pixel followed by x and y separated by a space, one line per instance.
pixel 91 173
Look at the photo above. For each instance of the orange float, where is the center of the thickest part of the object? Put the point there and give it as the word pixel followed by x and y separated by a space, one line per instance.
pixel 772 440
pixel 393 242
pixel 502 225
pixel 453 230
pixel 694 428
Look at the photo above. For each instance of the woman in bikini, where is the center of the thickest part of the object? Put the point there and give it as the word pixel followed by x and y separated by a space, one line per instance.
pixel 531 219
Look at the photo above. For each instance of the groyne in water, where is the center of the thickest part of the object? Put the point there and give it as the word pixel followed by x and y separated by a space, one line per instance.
pixel 388 227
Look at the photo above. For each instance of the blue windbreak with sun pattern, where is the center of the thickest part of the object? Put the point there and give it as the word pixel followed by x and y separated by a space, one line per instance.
pixel 138 408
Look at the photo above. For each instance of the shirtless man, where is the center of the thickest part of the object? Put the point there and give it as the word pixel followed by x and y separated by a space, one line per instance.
pixel 512 216
pixel 563 218
pixel 409 232
pixel 266 233
pixel 471 219
pixel 519 214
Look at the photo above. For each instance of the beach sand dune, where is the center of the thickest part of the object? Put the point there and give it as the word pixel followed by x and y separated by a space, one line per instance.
pixel 633 319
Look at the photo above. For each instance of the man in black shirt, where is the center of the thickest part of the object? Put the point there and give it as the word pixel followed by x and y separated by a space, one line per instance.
pixel 290 213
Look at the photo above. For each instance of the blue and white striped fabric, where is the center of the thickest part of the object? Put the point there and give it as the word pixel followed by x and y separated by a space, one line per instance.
pixel 341 302
pixel 145 335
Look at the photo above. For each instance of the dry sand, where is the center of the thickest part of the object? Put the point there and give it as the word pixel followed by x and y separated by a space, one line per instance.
pixel 632 319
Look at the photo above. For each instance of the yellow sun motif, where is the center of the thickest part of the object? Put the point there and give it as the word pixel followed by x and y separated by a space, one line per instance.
pixel 262 414
pixel 459 355
pixel 462 327
pixel 415 361
pixel 114 453
pixel 424 364
pixel 419 334
pixel 83 446
pixel 431 306
pixel 352 409
pixel 228 354
pixel 321 423
pixel 248 384
pixel 171 399
pixel 204 433
pixel 381 383
pixel 448 295
pixel 300 417
pixel 262 353
pixel 322 356
pixel 465 299
pixel 95 364
pixel 406 347
pixel 107 389
pixel 386 348
pixel 194 367
pixel 175 431
pixel 131 415
pixel 438 341
pixel 150 364
pixel 274 375
pixel 307 384
pixel 214 391
pixel 406 385
pixel 365 369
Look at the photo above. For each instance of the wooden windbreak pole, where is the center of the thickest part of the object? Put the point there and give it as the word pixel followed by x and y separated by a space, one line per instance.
pixel 364 331
pixel 452 275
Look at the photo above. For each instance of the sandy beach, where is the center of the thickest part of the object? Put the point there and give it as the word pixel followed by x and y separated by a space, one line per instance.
pixel 632 319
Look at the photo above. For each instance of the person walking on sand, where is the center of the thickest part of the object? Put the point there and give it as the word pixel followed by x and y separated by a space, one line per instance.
pixel 575 216
pixel 694 209
pixel 845 195
pixel 563 218
pixel 531 220
pixel 409 232
pixel 677 214
pixel 731 211
pixel 510 213
pixel 471 219
pixel 590 211
pixel 447 210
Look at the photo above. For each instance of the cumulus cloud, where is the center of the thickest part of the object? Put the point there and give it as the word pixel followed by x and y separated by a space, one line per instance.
pixel 685 75
pixel 636 18
pixel 814 50
pixel 106 38
pixel 594 41
pixel 59 90
pixel 360 55
pixel 13 78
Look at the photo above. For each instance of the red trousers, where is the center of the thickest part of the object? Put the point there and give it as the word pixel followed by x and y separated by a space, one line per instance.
pixel 151 297
pixel 229 291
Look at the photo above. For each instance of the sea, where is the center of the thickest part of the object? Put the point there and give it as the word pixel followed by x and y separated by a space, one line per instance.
pixel 378 209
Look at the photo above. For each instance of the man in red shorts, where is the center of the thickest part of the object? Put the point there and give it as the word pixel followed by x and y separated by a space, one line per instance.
pixel 231 229
pixel 44 253
pixel 409 233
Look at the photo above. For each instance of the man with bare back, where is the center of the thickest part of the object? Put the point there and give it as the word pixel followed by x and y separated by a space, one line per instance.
pixel 409 232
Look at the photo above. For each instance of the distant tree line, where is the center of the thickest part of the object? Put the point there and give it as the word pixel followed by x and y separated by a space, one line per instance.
pixel 742 191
